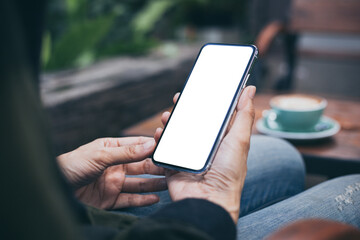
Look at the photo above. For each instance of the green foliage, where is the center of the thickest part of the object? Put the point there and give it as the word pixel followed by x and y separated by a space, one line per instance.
pixel 145 20
pixel 80 32
pixel 76 8
pixel 135 47
pixel 87 30
pixel 77 47
pixel 46 48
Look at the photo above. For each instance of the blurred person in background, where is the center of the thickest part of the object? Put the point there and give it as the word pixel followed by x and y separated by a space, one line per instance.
pixel 37 196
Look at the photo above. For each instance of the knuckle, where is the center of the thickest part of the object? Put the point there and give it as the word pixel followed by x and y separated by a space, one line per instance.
pixel 245 144
pixel 241 143
pixel 142 186
pixel 127 201
pixel 147 166
pixel 106 142
pixel 102 156
pixel 250 112
pixel 142 140
pixel 131 152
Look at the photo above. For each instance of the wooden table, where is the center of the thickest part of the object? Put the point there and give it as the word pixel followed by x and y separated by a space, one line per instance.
pixel 333 156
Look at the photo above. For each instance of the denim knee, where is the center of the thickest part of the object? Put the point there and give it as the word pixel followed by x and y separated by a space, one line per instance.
pixel 345 191
pixel 277 157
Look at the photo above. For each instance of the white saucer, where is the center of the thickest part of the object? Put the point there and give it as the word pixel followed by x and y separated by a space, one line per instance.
pixel 328 127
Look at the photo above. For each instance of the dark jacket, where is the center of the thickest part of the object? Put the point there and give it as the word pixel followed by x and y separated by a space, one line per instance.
pixel 36 202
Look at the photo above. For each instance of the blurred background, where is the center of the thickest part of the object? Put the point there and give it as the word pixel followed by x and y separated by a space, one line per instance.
pixel 109 64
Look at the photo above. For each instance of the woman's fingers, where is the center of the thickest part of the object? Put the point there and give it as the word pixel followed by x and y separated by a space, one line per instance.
pixel 165 117
pixel 125 154
pixel 121 141
pixel 176 97
pixel 144 185
pixel 135 200
pixel 157 134
pixel 144 167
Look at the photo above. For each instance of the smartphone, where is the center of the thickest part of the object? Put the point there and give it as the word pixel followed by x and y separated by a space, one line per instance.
pixel 200 117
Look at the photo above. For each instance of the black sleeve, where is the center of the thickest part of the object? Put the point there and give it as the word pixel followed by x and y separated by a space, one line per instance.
pixel 186 219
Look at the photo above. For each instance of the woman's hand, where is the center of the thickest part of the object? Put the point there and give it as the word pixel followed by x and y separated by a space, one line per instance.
pixel 98 172
pixel 224 181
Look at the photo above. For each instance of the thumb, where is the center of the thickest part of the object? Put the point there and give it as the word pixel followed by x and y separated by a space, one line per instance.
pixel 242 125
pixel 127 153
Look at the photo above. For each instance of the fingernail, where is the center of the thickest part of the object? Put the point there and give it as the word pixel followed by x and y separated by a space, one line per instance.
pixel 149 144
pixel 251 92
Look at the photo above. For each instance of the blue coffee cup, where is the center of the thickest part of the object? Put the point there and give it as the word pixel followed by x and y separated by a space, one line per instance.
pixel 296 112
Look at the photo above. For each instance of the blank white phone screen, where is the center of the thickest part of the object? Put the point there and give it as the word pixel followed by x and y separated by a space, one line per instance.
pixel 201 110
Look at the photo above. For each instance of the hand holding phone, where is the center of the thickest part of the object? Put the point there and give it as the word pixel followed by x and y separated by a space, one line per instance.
pixel 200 117
pixel 224 181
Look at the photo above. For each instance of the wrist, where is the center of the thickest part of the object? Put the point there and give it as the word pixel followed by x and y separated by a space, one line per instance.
pixel 231 205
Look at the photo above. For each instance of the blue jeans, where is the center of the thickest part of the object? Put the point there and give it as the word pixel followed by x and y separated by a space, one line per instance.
pixel 274 195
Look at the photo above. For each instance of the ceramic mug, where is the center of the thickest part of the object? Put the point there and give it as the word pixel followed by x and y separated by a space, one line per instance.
pixel 296 112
